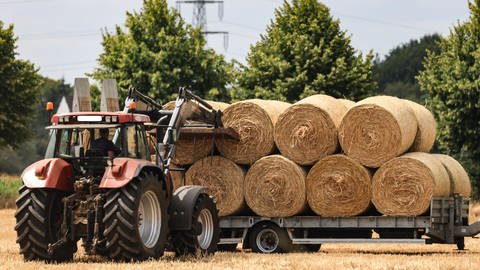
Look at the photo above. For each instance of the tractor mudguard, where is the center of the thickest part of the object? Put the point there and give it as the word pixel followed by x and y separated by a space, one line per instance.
pixel 52 173
pixel 182 206
pixel 124 170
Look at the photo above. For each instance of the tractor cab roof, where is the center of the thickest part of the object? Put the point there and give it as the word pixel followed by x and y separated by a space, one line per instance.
pixel 96 119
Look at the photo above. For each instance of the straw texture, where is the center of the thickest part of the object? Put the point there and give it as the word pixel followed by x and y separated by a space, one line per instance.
pixel 348 103
pixel 194 148
pixel 377 129
pixel 404 186
pixel 254 121
pixel 307 131
pixel 224 181
pixel 338 186
pixel 459 180
pixel 178 179
pixel 275 187
pixel 427 128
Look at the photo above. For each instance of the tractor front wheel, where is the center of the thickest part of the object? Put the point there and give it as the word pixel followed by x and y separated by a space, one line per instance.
pixel 202 239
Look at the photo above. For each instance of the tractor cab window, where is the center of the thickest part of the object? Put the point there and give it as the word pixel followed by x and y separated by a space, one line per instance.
pixel 136 142
pixel 99 142
pixel 69 143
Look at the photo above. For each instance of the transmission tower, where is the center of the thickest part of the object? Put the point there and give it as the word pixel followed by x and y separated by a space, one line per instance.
pixel 200 16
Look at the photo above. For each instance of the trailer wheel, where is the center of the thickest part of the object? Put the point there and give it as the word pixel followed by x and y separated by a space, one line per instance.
pixel 269 238
pixel 202 239
pixel 136 219
pixel 39 217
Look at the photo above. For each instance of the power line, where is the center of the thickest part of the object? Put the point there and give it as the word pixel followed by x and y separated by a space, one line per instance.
pixel 376 21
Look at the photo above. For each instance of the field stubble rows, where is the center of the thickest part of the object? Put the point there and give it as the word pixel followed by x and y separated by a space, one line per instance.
pixel 385 256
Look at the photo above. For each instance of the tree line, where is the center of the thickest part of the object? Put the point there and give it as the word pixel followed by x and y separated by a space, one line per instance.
pixel 304 51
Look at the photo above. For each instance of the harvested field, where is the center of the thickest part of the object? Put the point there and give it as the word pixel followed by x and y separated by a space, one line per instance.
pixel 388 256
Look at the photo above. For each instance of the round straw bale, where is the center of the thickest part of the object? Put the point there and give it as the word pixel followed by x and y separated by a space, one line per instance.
pixel 338 186
pixel 275 187
pixel 427 128
pixel 254 121
pixel 178 179
pixel 377 129
pixel 459 180
pixel 404 186
pixel 348 103
pixel 194 148
pixel 224 182
pixel 307 131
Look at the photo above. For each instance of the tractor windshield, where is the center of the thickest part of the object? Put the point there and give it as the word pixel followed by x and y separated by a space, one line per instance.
pixel 77 142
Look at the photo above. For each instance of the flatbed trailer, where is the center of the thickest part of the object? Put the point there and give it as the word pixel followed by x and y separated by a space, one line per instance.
pixel 445 223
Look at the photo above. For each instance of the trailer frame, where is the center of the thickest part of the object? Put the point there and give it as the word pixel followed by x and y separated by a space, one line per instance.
pixel 445 223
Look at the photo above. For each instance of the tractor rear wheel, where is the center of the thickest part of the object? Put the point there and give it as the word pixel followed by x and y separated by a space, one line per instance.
pixel 202 239
pixel 39 217
pixel 136 219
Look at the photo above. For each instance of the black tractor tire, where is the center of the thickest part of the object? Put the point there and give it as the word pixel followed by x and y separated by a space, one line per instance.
pixel 39 217
pixel 202 239
pixel 269 238
pixel 130 215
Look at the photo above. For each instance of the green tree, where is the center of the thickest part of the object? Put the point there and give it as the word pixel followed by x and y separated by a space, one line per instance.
pixel 396 73
pixel 451 81
pixel 305 52
pixel 18 81
pixel 12 160
pixel 158 53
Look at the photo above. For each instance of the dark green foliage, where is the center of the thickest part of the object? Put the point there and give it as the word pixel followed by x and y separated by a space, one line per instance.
pixel 18 81
pixel 158 53
pixel 96 97
pixel 451 81
pixel 396 73
pixel 13 161
pixel 305 52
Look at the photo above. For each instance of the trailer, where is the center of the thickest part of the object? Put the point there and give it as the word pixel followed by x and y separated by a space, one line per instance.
pixel 445 223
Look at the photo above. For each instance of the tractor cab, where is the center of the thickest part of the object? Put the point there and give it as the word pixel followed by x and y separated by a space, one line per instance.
pixel 88 140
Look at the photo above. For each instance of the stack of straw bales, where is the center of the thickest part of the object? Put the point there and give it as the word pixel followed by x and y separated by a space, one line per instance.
pixel 331 157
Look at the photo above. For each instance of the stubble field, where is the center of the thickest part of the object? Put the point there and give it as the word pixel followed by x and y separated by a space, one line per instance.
pixel 331 256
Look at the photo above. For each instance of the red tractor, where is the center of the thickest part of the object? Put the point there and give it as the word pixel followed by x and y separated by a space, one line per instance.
pixel 120 204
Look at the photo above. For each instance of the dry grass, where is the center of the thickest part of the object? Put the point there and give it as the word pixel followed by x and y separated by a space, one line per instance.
pixel 330 257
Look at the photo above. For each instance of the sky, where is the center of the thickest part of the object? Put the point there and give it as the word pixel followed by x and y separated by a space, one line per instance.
pixel 63 37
